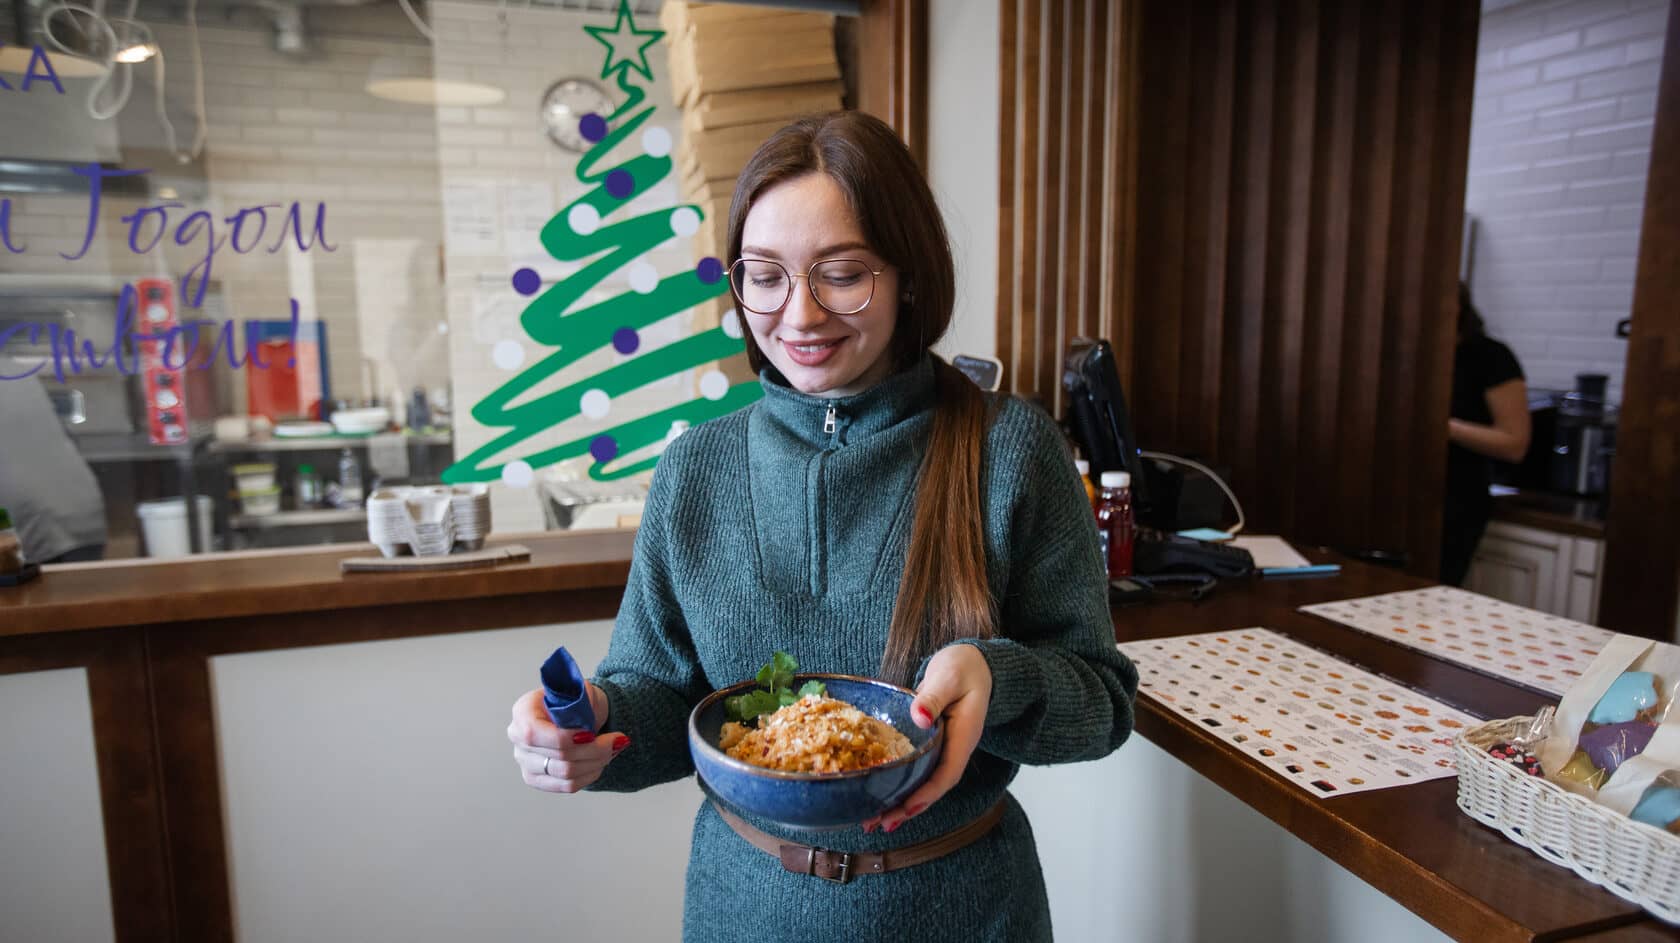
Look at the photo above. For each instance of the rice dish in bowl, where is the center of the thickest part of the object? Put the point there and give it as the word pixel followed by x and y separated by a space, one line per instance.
pixel 803 798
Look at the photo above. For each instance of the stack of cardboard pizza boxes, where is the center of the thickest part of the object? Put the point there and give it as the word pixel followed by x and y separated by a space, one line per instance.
pixel 738 73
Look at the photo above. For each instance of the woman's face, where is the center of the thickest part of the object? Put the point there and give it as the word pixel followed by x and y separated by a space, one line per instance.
pixel 797 223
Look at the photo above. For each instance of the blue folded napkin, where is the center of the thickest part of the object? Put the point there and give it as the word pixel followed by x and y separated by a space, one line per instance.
pixel 565 696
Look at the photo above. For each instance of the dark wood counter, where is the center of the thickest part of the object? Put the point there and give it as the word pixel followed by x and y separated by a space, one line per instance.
pixel 146 635
pixel 1410 842
pixel 1562 514
pixel 76 597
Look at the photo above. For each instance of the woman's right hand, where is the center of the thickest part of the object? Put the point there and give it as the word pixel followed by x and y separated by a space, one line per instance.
pixel 556 760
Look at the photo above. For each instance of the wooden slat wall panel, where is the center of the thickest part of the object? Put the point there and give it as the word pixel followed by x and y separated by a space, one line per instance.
pixel 1642 555
pixel 1276 189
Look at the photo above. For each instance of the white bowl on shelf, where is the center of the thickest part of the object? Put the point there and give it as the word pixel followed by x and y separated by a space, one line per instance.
pixel 361 421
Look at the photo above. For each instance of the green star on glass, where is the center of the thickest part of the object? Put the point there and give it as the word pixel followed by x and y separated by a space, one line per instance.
pixel 625 43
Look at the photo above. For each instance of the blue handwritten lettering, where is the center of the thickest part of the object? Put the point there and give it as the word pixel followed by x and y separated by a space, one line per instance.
pixel 6 227
pixel 237 221
pixel 34 330
pixel 96 176
pixel 39 58
pixel 136 218
pixel 295 224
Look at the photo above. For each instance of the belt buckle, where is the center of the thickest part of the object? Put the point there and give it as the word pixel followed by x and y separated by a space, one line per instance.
pixel 845 866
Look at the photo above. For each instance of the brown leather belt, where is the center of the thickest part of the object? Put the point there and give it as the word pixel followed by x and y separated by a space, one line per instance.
pixel 840 866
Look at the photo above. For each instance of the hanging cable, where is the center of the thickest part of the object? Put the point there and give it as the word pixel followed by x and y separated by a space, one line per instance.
pixel 414 18
pixel 203 132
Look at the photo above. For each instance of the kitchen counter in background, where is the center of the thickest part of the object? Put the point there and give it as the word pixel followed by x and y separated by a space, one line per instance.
pixel 1563 514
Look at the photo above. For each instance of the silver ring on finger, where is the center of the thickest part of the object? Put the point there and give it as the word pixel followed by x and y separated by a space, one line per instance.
pixel 545 766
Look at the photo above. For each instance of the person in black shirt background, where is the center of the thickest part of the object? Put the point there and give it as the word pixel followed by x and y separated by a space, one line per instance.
pixel 1489 420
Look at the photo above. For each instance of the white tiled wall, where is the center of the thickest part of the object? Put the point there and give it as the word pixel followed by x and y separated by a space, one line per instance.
pixel 1559 145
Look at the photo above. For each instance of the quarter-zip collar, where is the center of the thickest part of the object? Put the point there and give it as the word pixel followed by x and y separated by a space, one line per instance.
pixel 828 423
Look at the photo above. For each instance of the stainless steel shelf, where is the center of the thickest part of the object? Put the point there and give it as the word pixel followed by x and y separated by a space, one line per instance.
pixel 315 443
pixel 325 517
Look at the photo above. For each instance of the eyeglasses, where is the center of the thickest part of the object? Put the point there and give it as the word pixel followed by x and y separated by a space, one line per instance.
pixel 841 286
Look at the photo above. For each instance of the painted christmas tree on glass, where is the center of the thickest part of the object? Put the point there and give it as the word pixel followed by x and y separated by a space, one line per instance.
pixel 586 232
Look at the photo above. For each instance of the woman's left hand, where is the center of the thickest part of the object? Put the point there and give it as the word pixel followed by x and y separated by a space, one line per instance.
pixel 957 684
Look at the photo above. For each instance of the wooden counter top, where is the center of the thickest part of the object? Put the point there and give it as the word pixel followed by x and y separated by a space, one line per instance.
pixel 1577 517
pixel 1410 842
pixel 147 632
pixel 73 597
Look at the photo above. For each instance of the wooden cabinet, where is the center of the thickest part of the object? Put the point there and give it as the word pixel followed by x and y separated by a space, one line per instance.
pixel 1540 569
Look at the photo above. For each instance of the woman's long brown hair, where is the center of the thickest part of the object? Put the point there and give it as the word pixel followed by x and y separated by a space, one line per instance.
pixel 943 595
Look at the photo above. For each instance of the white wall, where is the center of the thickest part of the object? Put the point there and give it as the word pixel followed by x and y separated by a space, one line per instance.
pixel 369 794
pixel 1560 141
pixel 963 160
pixel 54 886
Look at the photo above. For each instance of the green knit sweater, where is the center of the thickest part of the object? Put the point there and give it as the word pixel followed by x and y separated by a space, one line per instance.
pixel 763 531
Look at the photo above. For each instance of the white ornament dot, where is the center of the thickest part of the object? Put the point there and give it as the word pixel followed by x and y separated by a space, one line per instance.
pixel 509 355
pixel 656 142
pixel 584 219
pixel 517 474
pixel 732 323
pixel 685 221
pixel 644 278
pixel 596 404
pixel 714 385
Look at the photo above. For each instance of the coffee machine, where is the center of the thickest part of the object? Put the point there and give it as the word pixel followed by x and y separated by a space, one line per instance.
pixel 1583 438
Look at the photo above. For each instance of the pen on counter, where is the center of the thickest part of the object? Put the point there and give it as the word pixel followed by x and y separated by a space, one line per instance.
pixel 1300 572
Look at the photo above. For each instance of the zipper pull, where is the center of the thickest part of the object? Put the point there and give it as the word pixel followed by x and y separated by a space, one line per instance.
pixel 829 422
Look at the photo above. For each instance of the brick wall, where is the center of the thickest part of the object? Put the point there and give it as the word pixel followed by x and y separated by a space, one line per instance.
pixel 283 130
pixel 1559 147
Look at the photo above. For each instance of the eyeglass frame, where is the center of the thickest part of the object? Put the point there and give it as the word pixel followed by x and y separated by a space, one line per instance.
pixel 874 282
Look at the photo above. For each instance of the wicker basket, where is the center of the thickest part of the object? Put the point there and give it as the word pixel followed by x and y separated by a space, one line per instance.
pixel 1632 860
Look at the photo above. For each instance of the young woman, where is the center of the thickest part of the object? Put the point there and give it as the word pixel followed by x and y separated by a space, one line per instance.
pixel 873 515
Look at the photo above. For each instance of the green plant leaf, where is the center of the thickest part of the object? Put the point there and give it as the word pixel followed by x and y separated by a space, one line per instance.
pixel 813 687
pixel 786 698
pixel 767 676
pixel 732 708
pixel 758 702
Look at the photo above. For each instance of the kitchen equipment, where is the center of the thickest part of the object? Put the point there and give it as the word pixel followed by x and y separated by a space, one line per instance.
pixel 1583 438
pixel 302 430
pixel 164 525
pixel 586 504
pixel 260 502
pixel 253 477
pixel 50 323
pixel 364 421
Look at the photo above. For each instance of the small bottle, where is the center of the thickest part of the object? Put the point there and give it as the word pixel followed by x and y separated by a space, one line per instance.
pixel 349 480
pixel 308 489
pixel 11 545
pixel 1085 479
pixel 1114 522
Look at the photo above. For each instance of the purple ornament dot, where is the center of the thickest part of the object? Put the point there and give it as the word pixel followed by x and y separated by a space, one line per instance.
pixel 526 281
pixel 626 340
pixel 709 270
pixel 593 127
pixel 604 448
pixel 620 184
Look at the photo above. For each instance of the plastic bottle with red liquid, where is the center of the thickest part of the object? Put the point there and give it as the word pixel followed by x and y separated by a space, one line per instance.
pixel 1114 522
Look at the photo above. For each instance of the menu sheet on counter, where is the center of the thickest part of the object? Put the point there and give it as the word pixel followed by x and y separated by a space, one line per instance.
pixel 1523 646
pixel 1323 724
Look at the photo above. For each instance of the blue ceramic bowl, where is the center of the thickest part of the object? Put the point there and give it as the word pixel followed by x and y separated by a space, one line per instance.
pixel 816 800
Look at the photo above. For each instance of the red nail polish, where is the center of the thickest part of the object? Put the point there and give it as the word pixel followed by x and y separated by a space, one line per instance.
pixel 620 743
pixel 924 713
pixel 916 809
pixel 889 828
pixel 584 737
pixel 869 827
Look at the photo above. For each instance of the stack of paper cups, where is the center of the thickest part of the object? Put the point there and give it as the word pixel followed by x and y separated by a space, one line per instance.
pixel 469 507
